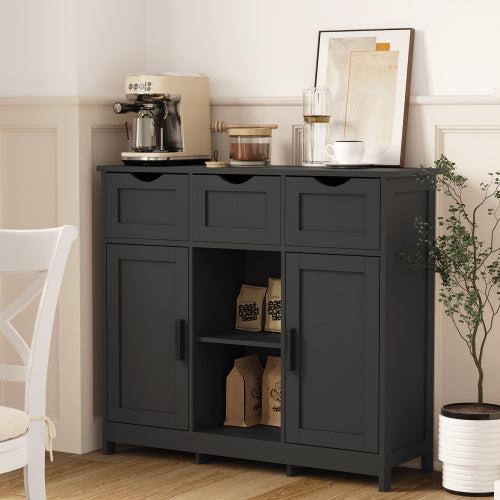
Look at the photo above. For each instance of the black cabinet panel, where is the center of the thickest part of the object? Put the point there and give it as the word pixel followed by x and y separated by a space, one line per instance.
pixel 357 341
pixel 236 209
pixel 147 206
pixel 147 301
pixel 337 213
pixel 332 388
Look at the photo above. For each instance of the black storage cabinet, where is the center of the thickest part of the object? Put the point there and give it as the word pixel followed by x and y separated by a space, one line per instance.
pixel 357 329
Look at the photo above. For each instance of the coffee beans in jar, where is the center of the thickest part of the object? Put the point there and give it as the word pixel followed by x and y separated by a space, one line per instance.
pixel 250 146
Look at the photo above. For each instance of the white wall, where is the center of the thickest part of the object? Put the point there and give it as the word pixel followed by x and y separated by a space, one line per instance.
pixel 111 43
pixel 262 48
pixel 268 48
pixel 70 47
pixel 38 47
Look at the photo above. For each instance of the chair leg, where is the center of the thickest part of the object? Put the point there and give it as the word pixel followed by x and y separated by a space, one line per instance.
pixel 34 478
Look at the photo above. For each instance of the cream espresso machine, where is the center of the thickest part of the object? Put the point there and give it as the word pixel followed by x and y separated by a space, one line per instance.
pixel 172 123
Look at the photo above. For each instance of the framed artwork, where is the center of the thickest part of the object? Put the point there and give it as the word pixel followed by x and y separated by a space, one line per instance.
pixel 369 74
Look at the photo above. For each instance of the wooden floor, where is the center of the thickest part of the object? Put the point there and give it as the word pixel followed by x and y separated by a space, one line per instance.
pixel 144 473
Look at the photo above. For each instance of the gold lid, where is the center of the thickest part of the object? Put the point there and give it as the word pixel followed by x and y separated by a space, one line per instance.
pixel 255 131
pixel 317 119
pixel 216 164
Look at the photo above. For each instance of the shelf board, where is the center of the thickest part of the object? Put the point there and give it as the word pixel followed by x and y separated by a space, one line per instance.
pixel 258 432
pixel 239 337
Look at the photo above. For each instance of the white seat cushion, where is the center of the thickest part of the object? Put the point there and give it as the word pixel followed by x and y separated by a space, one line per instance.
pixel 13 423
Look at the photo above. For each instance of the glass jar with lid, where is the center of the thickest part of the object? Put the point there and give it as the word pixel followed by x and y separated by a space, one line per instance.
pixel 250 146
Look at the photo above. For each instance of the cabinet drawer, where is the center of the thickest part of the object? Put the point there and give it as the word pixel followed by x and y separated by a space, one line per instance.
pixel 335 212
pixel 147 205
pixel 236 208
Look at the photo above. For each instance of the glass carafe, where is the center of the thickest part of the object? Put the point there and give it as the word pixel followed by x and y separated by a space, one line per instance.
pixel 316 110
pixel 316 101
pixel 314 141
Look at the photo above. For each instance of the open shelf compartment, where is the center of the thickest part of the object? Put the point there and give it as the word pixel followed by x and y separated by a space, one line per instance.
pixel 218 275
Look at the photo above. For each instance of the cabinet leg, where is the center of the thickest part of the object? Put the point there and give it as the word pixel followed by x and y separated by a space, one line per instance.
pixel 201 458
pixel 108 448
pixel 385 480
pixel 294 470
pixel 427 465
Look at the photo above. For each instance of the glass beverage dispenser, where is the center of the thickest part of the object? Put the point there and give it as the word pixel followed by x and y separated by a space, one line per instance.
pixel 316 110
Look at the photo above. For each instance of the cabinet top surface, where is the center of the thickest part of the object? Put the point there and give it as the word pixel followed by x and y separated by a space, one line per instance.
pixel 270 170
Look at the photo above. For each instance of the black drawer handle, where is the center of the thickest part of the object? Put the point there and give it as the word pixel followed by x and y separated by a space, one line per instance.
pixel 235 178
pixel 180 337
pixel 146 176
pixel 332 181
pixel 290 348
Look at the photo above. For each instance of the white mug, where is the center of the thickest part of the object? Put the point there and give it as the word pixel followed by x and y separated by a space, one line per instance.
pixel 346 152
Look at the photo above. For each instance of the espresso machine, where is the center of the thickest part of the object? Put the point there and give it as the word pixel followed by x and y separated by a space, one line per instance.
pixel 172 122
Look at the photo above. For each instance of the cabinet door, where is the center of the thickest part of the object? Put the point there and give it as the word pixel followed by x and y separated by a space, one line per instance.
pixel 147 311
pixel 332 351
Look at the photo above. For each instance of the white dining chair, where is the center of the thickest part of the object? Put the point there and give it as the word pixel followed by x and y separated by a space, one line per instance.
pixel 24 435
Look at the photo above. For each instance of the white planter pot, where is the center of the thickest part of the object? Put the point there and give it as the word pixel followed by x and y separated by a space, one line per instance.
pixel 469 447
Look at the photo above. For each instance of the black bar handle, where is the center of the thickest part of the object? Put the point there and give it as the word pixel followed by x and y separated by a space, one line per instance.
pixel 121 108
pixel 290 346
pixel 179 339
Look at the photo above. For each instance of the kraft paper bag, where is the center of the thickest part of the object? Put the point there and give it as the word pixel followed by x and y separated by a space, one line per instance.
pixel 271 392
pixel 273 305
pixel 250 308
pixel 244 392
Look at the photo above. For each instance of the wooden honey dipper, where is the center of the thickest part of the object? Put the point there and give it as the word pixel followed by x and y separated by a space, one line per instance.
pixel 221 126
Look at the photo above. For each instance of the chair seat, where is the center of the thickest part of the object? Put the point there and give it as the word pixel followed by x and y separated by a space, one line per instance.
pixel 13 423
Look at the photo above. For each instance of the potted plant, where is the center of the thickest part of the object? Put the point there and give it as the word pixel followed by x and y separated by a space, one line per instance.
pixel 468 265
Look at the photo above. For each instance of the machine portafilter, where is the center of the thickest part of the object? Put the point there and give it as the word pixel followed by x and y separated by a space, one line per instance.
pixel 144 136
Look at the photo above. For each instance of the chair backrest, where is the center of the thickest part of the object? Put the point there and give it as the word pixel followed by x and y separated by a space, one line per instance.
pixel 45 251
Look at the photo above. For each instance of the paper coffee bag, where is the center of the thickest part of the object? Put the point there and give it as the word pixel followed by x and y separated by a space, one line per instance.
pixel 244 392
pixel 273 305
pixel 271 392
pixel 250 308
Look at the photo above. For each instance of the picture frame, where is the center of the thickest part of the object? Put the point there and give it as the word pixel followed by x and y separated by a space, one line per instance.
pixel 369 75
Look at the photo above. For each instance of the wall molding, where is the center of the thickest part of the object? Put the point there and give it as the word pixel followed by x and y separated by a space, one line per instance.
pixel 469 125
pixel 436 100
pixel 455 100
pixel 442 130
pixel 110 129
pixel 257 101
